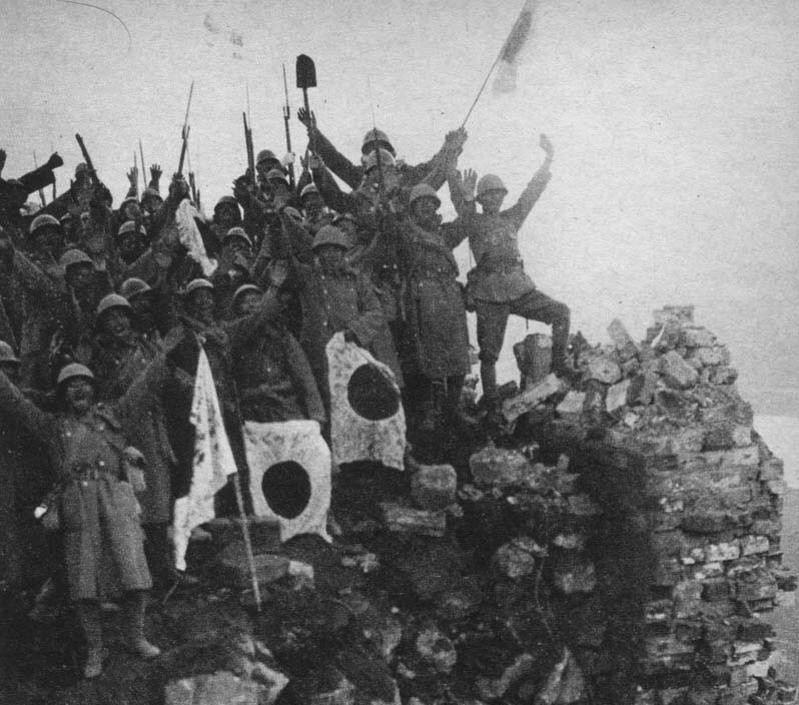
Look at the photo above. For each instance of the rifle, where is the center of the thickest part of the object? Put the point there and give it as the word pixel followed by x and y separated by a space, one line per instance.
pixel 41 191
pixel 286 122
pixel 249 147
pixel 86 157
pixel 143 172
pixel 184 133
pixel 136 169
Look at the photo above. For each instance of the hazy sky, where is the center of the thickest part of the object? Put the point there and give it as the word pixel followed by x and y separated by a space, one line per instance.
pixel 675 126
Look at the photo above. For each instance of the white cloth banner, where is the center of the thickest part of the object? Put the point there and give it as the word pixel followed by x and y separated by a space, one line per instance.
pixel 190 237
pixel 367 421
pixel 289 475
pixel 213 461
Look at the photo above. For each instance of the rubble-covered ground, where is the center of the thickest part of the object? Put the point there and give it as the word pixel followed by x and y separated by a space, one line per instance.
pixel 620 541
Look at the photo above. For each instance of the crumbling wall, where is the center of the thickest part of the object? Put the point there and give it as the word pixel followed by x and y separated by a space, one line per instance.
pixel 620 543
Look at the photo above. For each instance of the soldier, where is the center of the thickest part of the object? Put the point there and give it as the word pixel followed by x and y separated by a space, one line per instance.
pixel 433 171
pixel 120 357
pixel 96 505
pixel 274 379
pixel 336 298
pixel 313 206
pixel 436 343
pixel 226 216
pixel 498 285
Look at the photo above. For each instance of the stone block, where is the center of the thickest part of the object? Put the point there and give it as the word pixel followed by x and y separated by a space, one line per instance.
pixel 617 395
pixel 514 407
pixel 704 522
pixel 434 646
pixel 696 337
pixel 434 486
pixel 495 688
pixel 533 358
pixel 517 558
pixel 771 469
pixel 707 357
pixel 571 407
pixel 722 375
pixel 271 682
pixel 499 467
pixel 682 314
pixel 407 520
pixel 622 341
pixel 677 372
pixel 231 567
pixel 751 545
pixel 581 505
pixel 687 598
pixel 573 574
pixel 604 370
pixel 724 551
pixel 219 688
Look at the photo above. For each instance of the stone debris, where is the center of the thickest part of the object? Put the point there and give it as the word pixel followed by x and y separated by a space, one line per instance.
pixel 530 398
pixel 434 487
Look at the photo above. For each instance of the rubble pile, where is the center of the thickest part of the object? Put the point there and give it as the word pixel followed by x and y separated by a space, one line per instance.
pixel 667 448
pixel 619 544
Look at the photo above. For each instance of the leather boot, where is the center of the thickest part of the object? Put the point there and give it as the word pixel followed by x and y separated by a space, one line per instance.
pixel 91 623
pixel 135 604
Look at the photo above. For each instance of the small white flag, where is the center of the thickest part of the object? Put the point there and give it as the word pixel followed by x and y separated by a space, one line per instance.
pixel 213 461
pixel 505 79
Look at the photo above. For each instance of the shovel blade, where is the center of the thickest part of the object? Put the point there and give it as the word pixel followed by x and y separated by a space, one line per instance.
pixel 306 72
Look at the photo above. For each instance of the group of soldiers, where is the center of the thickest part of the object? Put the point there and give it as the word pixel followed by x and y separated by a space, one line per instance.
pixel 104 310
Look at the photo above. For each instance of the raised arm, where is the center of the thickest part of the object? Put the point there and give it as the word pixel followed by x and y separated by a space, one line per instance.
pixel 335 160
pixel 14 404
pixel 521 209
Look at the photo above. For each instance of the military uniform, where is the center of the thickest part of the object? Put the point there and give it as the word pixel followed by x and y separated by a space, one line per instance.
pixel 498 286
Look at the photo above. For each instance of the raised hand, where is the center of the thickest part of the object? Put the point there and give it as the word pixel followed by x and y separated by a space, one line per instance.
pixel 155 172
pixel 468 183
pixel 306 118
pixel 133 176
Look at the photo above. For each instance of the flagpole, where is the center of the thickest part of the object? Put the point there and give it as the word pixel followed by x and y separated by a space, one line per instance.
pixel 485 83
pixel 245 529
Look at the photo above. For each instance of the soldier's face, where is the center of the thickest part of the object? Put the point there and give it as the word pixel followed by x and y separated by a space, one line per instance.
pixel 238 246
pixel 80 277
pixel 248 302
pixel 79 394
pixel 331 257
pixel 151 204
pixel 11 370
pixel 491 201
pixel 116 322
pixel 202 304
pixel 49 240
pixel 142 306
pixel 313 204
pixel 227 215
pixel 424 210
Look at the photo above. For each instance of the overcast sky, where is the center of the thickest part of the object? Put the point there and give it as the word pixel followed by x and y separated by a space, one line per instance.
pixel 674 123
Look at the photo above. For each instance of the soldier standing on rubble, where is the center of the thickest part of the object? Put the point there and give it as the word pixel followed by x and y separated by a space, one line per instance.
pixel 498 285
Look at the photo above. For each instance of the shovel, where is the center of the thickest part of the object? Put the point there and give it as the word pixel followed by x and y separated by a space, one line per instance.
pixel 306 78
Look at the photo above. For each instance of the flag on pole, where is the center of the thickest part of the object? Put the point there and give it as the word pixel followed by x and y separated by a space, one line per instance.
pixel 510 56
pixel 190 237
pixel 213 461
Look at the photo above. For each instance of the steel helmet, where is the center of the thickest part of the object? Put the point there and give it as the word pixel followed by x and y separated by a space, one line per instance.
pixel 150 192
pixel 345 216
pixel 196 284
pixel 490 182
pixel 331 235
pixel 307 189
pixel 386 159
pixel 226 201
pixel 293 213
pixel 40 221
pixel 376 136
pixel 133 287
pixel 128 199
pixel 244 288
pixel 7 353
pixel 237 232
pixel 73 256
pixel 423 191
pixel 112 301
pixel 129 226
pixel 276 175
pixel 266 155
pixel 74 369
